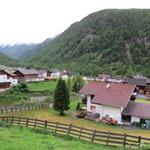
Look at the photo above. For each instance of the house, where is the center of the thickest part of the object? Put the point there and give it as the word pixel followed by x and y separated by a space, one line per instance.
pixel 137 112
pixel 53 74
pixel 65 74
pixel 139 82
pixel 42 75
pixel 103 77
pixel 6 76
pixel 107 99
pixel 27 75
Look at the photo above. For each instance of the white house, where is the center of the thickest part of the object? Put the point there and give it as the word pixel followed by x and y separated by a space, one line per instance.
pixel 107 99
pixel 6 76
pixel 42 75
pixel 53 74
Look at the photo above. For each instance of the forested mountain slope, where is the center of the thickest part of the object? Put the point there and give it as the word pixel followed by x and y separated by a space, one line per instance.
pixel 5 60
pixel 110 41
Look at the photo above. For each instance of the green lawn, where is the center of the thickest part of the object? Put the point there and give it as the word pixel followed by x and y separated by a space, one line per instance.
pixel 17 138
pixel 142 100
pixel 42 86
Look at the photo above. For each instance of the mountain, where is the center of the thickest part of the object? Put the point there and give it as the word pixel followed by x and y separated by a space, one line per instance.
pixel 109 41
pixel 5 60
pixel 23 51
pixel 18 51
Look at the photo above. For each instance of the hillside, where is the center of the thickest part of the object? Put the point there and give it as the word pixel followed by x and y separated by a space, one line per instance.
pixel 5 60
pixel 110 41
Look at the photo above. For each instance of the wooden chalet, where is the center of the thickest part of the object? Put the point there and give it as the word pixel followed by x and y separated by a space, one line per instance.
pixel 26 75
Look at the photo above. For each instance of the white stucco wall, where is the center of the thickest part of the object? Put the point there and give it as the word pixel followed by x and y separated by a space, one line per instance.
pixel 135 119
pixel 114 112
pixel 13 81
pixel 55 75
pixel 89 103
pixel 3 78
pixel 103 110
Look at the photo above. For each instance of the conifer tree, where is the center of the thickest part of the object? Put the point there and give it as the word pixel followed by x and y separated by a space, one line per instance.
pixel 78 84
pixel 61 97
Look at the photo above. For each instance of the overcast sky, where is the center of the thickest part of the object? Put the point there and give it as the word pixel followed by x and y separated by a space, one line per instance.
pixel 35 20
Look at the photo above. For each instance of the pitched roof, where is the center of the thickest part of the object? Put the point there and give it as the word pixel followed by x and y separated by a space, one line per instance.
pixel 137 109
pixel 28 71
pixel 7 72
pixel 136 81
pixel 112 94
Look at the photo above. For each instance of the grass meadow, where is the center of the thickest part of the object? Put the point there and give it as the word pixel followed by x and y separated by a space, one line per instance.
pixel 21 138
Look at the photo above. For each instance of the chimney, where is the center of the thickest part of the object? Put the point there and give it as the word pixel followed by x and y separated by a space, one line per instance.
pixel 108 86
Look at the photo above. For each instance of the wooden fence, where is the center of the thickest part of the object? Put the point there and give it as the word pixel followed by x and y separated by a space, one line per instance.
pixel 93 136
pixel 10 109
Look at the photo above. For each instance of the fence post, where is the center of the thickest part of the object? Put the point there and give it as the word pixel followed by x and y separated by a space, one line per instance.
pixel 45 123
pixel 12 119
pixel 35 123
pixel 108 138
pixel 69 129
pixel 6 110
pixel 139 140
pixel 124 141
pixel 93 136
pixel 27 122
pixel 56 127
pixel 80 132
pixel 11 109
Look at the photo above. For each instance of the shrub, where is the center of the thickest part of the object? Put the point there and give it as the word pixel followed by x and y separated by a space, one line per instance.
pixel 49 99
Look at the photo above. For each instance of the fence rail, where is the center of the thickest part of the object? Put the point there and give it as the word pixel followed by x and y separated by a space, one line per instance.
pixel 10 109
pixel 93 136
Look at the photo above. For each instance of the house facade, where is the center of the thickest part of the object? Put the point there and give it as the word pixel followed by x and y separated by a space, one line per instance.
pixel 42 75
pixel 107 99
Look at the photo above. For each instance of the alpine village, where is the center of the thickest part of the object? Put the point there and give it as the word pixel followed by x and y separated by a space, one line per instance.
pixel 87 88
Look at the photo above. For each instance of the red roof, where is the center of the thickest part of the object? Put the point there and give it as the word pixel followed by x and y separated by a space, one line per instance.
pixel 137 109
pixel 111 94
